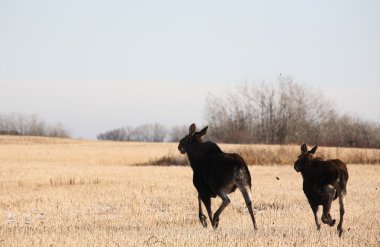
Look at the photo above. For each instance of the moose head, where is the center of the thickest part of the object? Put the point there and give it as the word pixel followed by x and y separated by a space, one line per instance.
pixel 193 138
pixel 304 158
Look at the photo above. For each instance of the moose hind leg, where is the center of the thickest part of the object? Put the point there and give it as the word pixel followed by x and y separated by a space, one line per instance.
pixel 248 203
pixel 224 204
pixel 341 210
pixel 326 217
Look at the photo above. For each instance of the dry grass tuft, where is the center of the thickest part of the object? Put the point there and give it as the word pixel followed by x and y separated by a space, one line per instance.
pixel 167 160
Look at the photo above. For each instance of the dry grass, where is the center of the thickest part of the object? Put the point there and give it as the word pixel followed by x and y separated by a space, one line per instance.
pixel 76 193
pixel 57 151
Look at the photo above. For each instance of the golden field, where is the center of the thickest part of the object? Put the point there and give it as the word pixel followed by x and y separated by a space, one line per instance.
pixel 63 192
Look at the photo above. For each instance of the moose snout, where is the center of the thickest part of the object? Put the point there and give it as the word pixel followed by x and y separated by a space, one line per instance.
pixel 296 168
pixel 181 150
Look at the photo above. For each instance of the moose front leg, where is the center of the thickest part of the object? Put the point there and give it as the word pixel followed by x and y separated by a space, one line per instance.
pixel 202 217
pixel 314 207
pixel 207 202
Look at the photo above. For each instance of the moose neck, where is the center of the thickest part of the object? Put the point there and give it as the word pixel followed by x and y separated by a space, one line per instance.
pixel 196 153
pixel 308 170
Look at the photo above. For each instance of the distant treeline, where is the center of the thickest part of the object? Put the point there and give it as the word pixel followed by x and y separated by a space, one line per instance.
pixel 282 113
pixel 30 125
pixel 153 132
pixel 285 113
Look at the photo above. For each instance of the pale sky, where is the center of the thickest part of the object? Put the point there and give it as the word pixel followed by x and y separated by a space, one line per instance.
pixel 98 65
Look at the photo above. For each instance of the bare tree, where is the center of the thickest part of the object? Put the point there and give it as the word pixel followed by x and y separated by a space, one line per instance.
pixel 32 125
pixel 120 134
pixel 57 130
pixel 176 133
pixel 149 133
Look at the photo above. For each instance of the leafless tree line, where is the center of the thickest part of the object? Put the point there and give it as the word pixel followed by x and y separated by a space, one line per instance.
pixel 153 132
pixel 281 113
pixel 30 125
pixel 285 113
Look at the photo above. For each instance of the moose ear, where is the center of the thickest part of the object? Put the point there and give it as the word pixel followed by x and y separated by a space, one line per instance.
pixel 314 149
pixel 192 129
pixel 203 131
pixel 303 148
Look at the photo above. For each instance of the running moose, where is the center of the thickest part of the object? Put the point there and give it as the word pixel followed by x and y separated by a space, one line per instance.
pixel 215 173
pixel 323 182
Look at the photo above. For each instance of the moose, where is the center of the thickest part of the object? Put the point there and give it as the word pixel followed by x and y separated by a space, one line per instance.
pixel 323 182
pixel 215 173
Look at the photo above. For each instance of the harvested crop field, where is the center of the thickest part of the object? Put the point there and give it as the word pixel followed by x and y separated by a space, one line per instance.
pixel 62 192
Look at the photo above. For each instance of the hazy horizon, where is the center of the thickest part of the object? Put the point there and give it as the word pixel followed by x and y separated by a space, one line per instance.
pixel 95 66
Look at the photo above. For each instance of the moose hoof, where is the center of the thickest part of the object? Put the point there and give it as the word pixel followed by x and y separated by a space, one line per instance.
pixel 340 230
pixel 216 223
pixel 203 220
pixel 255 227
pixel 319 227
pixel 325 220
pixel 332 222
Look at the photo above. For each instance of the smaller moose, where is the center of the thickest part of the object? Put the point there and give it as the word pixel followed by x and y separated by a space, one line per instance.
pixel 323 182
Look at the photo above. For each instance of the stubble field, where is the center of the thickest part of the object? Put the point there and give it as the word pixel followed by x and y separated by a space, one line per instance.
pixel 61 192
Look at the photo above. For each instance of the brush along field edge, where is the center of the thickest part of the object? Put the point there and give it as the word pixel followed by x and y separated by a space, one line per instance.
pixel 56 151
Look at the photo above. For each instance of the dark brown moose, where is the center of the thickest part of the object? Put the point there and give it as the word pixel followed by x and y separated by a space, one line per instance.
pixel 323 182
pixel 215 173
